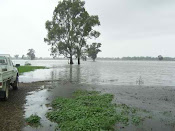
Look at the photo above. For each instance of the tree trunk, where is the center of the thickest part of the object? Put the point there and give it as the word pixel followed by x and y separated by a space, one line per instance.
pixel 70 73
pixel 78 60
pixel 71 60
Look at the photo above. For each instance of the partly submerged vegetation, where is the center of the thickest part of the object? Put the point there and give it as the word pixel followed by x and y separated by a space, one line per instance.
pixel 33 120
pixel 22 69
pixel 90 110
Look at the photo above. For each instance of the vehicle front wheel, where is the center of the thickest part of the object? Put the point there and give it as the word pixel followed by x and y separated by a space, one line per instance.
pixel 15 84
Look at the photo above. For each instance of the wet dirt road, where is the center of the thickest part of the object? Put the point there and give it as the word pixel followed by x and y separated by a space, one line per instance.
pixel 11 111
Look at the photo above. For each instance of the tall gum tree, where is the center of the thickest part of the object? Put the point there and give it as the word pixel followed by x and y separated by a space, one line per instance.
pixel 69 29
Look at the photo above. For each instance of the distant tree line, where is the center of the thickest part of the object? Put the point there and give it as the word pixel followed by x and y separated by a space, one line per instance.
pixel 142 58
pixel 30 55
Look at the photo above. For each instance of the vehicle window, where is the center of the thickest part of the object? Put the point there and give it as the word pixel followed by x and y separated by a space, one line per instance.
pixel 3 61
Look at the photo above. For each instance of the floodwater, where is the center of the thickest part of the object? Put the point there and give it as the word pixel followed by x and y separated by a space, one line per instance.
pixel 150 73
pixel 121 78
pixel 38 102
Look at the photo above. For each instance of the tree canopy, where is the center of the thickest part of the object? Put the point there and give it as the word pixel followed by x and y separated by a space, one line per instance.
pixel 69 29
pixel 31 54
pixel 93 50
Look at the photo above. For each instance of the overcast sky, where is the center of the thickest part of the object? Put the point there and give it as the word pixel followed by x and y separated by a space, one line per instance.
pixel 128 27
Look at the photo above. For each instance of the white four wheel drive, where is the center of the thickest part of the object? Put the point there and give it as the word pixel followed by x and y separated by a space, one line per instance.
pixel 8 76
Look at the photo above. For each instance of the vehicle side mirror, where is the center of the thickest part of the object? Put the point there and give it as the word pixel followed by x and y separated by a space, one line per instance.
pixel 17 65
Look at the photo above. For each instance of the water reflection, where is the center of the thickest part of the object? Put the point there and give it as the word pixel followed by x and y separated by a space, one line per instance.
pixel 105 72
pixel 78 74
pixel 70 73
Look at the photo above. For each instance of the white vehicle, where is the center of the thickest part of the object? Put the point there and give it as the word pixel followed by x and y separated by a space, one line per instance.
pixel 8 76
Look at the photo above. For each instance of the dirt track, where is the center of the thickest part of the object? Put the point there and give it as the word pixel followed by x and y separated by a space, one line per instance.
pixel 11 111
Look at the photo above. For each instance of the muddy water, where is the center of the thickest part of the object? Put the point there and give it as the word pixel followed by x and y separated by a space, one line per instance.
pixel 158 101
pixel 151 73
pixel 37 102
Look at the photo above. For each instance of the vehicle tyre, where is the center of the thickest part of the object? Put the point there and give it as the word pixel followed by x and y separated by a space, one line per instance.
pixel 6 92
pixel 15 84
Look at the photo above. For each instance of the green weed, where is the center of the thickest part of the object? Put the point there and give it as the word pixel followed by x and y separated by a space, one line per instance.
pixel 33 120
pixel 90 110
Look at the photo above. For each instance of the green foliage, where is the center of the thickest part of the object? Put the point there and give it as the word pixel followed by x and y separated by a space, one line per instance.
pixel 136 120
pixel 31 54
pixel 130 115
pixel 70 27
pixel 90 110
pixel 93 50
pixel 22 69
pixel 33 120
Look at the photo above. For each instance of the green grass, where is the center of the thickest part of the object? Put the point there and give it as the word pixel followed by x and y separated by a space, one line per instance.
pixel 23 69
pixel 33 120
pixel 90 110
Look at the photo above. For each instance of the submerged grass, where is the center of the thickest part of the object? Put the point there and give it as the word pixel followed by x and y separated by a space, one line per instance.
pixel 28 68
pixel 90 110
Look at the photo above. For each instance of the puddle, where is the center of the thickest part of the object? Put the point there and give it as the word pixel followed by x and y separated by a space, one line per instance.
pixel 148 125
pixel 37 102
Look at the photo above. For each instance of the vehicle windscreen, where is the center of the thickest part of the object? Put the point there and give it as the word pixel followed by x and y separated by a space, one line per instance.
pixel 3 61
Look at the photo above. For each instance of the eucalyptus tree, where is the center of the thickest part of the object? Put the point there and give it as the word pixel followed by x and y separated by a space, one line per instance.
pixel 61 29
pixel 93 50
pixel 31 54
pixel 69 29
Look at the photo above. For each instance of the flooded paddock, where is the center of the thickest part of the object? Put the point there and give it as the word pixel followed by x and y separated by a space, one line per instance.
pixel 150 73
pixel 121 78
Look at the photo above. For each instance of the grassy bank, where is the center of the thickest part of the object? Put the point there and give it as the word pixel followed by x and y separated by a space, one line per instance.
pixel 91 110
pixel 23 69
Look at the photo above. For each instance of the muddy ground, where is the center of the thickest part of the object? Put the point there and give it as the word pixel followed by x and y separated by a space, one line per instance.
pixel 159 101
pixel 11 111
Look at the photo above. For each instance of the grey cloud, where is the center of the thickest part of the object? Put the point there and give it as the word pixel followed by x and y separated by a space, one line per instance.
pixel 133 25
